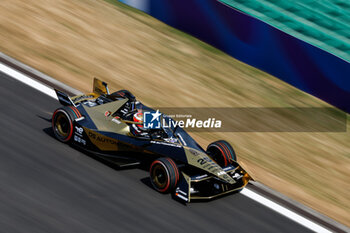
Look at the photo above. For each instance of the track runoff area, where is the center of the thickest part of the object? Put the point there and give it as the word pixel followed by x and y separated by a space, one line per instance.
pixel 246 191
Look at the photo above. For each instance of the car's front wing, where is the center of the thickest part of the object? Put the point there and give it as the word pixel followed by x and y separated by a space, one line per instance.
pixel 205 187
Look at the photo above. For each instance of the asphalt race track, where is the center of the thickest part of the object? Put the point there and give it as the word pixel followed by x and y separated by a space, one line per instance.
pixel 47 186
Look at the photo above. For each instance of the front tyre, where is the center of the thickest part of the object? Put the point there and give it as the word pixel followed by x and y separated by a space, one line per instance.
pixel 221 152
pixel 164 174
pixel 62 124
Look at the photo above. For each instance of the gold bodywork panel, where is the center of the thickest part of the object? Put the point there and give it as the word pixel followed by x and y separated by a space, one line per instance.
pixel 102 142
pixel 105 143
pixel 202 161
pixel 108 123
pixel 99 87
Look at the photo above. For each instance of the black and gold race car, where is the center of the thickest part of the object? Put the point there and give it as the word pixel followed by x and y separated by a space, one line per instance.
pixel 111 126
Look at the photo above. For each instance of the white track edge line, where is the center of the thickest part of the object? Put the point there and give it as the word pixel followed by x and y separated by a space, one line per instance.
pixel 246 192
pixel 284 211
pixel 27 80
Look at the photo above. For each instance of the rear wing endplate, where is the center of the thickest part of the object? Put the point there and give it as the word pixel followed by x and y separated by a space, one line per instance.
pixel 100 87
pixel 64 99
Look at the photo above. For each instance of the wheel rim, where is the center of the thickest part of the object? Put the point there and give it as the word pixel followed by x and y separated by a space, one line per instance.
pixel 159 176
pixel 62 126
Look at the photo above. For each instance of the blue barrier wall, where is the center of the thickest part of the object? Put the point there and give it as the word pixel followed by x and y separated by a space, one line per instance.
pixel 258 44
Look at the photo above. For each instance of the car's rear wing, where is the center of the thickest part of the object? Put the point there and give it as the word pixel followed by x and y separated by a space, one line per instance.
pixel 100 87
pixel 64 99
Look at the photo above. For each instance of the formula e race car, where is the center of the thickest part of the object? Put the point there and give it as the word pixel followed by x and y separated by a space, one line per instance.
pixel 111 126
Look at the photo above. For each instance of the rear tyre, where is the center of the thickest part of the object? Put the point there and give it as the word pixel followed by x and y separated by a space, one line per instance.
pixel 62 123
pixel 221 152
pixel 164 174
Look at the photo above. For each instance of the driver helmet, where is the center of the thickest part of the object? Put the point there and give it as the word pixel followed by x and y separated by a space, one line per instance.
pixel 138 117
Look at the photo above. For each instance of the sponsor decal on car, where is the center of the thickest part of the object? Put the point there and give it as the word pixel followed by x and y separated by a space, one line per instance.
pixel 101 141
pixel 79 130
pixel 78 135
pixel 237 176
pixel 194 152
pixel 221 173
pixel 107 113
pixel 115 120
pixel 79 140
pixel 165 143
